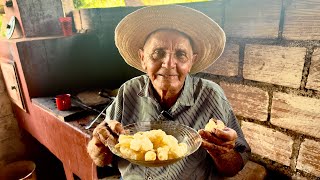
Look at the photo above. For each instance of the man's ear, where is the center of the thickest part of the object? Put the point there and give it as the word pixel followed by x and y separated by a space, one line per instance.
pixel 194 58
pixel 141 57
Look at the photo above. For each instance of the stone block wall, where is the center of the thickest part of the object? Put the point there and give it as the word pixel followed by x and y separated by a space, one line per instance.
pixel 270 72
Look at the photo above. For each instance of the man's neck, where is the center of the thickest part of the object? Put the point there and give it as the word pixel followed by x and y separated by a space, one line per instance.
pixel 167 98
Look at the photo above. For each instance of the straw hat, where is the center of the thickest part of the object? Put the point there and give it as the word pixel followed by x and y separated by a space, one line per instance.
pixel 208 37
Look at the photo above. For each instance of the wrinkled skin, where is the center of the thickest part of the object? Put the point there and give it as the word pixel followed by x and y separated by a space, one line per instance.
pixel 167 57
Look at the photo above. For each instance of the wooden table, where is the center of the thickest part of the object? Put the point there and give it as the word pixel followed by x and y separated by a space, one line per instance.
pixel 66 140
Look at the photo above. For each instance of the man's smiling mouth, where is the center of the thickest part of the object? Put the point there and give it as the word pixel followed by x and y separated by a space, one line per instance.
pixel 166 76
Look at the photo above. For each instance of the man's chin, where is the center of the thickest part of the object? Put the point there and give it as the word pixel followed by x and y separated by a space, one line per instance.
pixel 166 86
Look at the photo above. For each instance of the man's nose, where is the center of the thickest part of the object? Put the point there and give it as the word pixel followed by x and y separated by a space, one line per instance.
pixel 169 61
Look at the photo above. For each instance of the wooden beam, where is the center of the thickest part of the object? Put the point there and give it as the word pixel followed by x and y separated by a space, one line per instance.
pixel 67 6
pixel 1 9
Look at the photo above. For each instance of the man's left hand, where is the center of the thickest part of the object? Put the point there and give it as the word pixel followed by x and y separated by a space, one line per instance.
pixel 218 141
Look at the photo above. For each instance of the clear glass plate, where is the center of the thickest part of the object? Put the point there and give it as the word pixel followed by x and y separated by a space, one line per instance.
pixel 182 133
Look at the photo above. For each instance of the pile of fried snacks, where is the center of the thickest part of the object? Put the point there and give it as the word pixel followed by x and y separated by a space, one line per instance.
pixel 150 146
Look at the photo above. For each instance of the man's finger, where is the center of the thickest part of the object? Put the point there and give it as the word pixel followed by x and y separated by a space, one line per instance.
pixel 210 137
pixel 116 127
pixel 214 149
pixel 227 134
pixel 101 132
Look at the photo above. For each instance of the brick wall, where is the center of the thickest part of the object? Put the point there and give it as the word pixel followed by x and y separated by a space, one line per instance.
pixel 270 72
pixel 11 146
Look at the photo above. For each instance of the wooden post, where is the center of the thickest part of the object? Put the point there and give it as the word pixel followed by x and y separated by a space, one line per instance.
pixel 67 6
pixel 1 9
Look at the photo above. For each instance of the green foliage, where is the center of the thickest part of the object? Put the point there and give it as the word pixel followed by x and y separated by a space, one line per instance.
pixel 2 29
pixel 80 4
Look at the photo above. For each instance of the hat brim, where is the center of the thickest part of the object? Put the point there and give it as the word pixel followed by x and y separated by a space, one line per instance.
pixel 208 37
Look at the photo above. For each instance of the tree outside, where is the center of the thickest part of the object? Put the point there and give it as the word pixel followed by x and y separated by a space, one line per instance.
pixel 2 27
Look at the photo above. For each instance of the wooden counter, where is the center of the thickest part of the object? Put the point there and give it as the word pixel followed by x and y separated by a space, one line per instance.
pixel 66 140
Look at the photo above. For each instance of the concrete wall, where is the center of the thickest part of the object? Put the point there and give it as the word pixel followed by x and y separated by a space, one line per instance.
pixel 11 146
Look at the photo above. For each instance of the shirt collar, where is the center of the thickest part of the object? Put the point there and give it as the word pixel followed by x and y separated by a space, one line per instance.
pixel 186 97
pixel 146 90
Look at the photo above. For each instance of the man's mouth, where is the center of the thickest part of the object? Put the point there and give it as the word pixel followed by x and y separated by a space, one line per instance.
pixel 168 76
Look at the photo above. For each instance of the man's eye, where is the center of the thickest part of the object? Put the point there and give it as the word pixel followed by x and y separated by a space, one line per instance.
pixel 158 54
pixel 181 55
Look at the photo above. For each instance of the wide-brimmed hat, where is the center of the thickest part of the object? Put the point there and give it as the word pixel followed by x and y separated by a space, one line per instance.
pixel 207 36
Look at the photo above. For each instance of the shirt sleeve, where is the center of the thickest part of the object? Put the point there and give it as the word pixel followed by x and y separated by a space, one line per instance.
pixel 241 144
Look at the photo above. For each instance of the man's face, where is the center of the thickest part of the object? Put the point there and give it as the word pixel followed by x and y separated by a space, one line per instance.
pixel 167 57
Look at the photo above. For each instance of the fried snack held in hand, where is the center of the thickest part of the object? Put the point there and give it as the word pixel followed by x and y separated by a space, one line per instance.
pixel 214 124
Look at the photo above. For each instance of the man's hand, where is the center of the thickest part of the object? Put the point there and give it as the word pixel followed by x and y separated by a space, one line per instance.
pixel 220 144
pixel 102 132
pixel 218 141
pixel 97 146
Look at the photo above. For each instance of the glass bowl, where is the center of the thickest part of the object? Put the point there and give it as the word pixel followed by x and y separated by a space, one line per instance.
pixel 182 133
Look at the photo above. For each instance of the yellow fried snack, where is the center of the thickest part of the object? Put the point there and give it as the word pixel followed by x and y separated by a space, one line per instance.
pixel 131 154
pixel 141 143
pixel 155 137
pixel 162 153
pixel 150 146
pixel 124 140
pixel 150 156
pixel 214 124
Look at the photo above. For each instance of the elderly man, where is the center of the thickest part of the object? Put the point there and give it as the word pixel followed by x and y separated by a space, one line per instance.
pixel 170 43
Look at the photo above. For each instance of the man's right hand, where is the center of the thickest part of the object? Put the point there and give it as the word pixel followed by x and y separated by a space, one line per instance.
pixel 97 146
